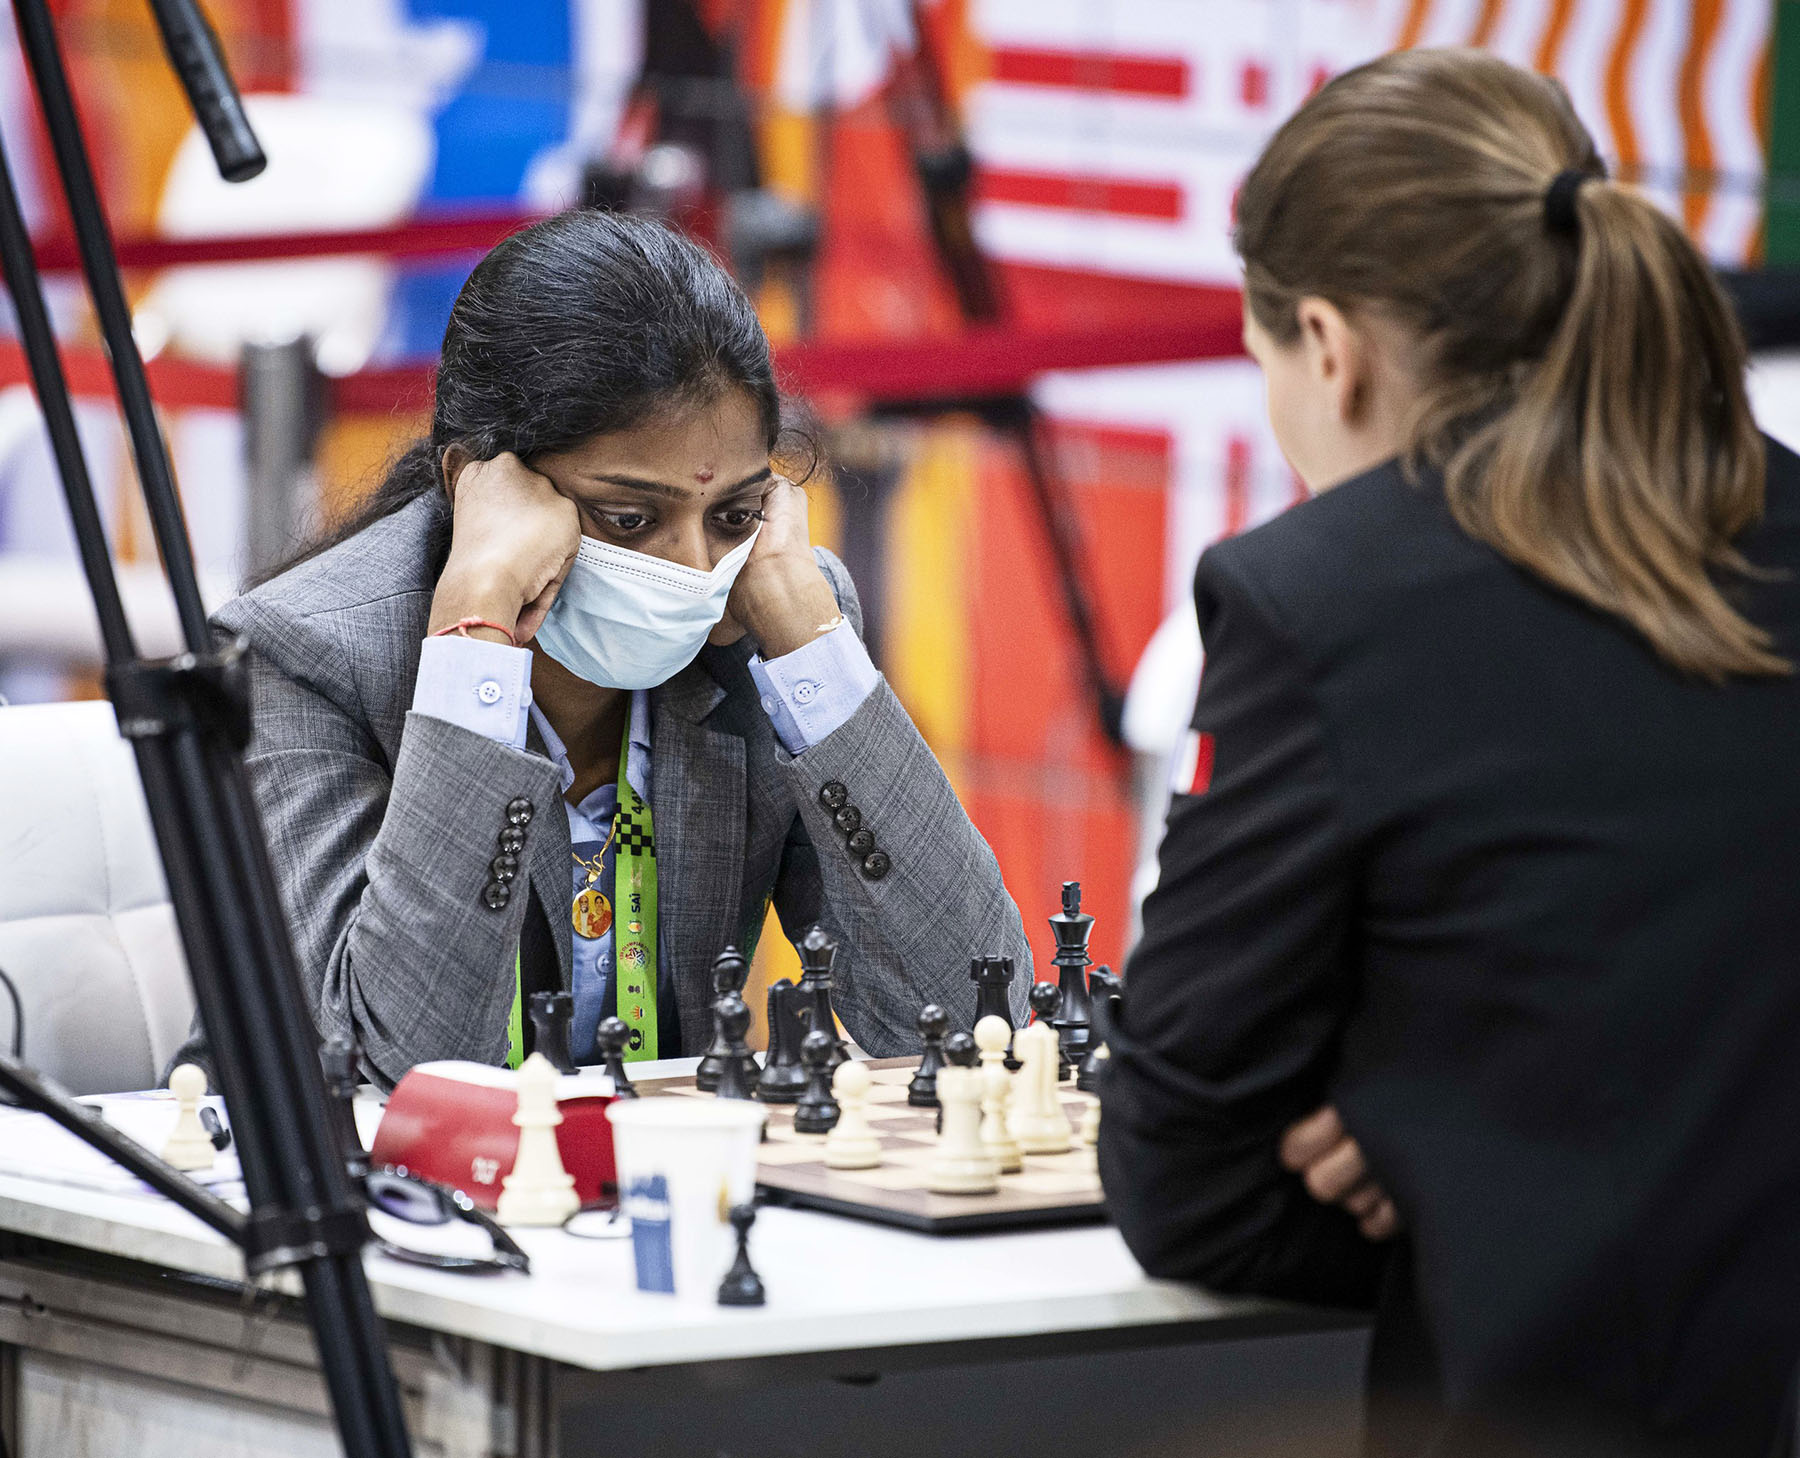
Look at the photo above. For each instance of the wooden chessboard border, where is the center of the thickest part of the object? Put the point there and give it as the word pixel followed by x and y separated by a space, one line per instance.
pixel 808 1185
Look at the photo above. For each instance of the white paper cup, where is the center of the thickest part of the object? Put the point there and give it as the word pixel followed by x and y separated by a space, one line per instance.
pixel 682 1165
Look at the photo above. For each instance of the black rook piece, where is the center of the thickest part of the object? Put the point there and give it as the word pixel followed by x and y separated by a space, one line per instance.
pixel 550 1014
pixel 733 1018
pixel 612 1035
pixel 1108 990
pixel 934 1025
pixel 1072 928
pixel 817 1112
pixel 728 973
pixel 783 1078
pixel 742 1286
pixel 992 976
pixel 818 955
pixel 339 1058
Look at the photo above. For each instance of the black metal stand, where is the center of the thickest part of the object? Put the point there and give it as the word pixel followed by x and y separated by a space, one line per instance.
pixel 187 719
pixel 946 172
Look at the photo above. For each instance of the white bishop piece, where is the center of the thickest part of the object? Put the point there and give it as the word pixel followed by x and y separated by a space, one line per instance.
pixel 539 1191
pixel 1037 1120
pixel 992 1034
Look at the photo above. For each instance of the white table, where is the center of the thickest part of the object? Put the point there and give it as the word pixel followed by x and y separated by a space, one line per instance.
pixel 489 1362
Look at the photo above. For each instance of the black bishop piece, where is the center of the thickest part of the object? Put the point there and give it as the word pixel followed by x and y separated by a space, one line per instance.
pixel 783 1077
pixel 731 1015
pixel 1072 928
pixel 729 971
pixel 818 955
pixel 817 1111
pixel 550 1014
pixel 934 1027
pixel 612 1035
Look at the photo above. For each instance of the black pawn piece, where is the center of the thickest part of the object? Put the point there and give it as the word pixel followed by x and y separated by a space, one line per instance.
pixel 550 1014
pixel 1108 990
pixel 1046 1002
pixel 731 1015
pixel 612 1036
pixel 818 951
pixel 339 1058
pixel 741 1286
pixel 817 1111
pixel 1072 928
pixel 934 1025
pixel 783 1077
pixel 729 971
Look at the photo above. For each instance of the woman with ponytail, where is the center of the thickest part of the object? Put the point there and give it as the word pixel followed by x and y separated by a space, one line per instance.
pixel 574 700
pixel 1471 987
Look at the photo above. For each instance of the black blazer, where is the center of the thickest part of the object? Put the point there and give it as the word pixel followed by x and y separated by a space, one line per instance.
pixel 1524 904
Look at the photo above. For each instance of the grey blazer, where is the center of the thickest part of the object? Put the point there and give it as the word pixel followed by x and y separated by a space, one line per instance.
pixel 382 824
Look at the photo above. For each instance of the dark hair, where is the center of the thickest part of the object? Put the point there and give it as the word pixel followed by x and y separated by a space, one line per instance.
pixel 586 323
pixel 1583 388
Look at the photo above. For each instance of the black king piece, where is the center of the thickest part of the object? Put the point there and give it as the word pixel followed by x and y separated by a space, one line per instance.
pixel 1072 928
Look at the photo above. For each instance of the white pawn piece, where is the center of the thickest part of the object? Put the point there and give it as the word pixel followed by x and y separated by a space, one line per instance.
pixel 539 1191
pixel 961 1165
pixel 996 1091
pixel 189 1146
pixel 992 1037
pixel 1037 1120
pixel 852 1142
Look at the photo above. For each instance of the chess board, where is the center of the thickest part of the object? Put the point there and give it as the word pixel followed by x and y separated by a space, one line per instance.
pixel 1051 1189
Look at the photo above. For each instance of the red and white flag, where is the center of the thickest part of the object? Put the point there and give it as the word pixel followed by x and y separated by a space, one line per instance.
pixel 1193 765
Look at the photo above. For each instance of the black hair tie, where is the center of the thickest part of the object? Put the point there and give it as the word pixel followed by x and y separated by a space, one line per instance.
pixel 1559 202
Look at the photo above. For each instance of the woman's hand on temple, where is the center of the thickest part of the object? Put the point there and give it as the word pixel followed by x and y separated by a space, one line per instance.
pixel 512 543
pixel 781 597
pixel 1331 1162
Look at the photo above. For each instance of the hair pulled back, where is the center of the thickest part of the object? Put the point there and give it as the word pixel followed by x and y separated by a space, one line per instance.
pixel 582 324
pixel 1583 392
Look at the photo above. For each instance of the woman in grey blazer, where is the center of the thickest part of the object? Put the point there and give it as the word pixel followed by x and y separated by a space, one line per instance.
pixel 574 700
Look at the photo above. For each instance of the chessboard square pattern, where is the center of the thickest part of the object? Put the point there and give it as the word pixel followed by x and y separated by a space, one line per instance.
pixel 1050 1189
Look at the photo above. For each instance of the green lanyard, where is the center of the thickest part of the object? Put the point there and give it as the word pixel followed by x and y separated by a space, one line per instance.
pixel 634 926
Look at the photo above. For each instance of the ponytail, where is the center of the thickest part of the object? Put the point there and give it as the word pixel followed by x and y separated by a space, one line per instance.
pixel 1583 373
pixel 1629 461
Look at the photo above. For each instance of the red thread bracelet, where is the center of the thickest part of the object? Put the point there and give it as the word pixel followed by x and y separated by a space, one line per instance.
pixel 461 629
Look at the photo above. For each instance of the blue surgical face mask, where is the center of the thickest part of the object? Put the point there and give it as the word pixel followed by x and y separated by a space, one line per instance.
pixel 628 620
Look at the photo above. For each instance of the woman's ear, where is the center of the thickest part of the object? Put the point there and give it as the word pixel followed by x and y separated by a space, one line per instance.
pixel 450 466
pixel 1336 357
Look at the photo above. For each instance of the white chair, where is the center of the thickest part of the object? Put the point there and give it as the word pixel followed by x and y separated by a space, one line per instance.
pixel 87 934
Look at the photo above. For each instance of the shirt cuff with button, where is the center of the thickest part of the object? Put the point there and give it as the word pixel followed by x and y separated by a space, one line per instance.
pixel 812 692
pixel 476 685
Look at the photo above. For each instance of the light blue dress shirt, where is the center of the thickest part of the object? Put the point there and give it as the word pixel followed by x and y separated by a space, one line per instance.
pixel 486 687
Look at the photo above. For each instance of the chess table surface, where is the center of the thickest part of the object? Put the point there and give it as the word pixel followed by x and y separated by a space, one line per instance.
pixel 1050 1189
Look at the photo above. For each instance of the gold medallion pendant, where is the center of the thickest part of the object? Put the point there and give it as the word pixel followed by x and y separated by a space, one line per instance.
pixel 591 914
